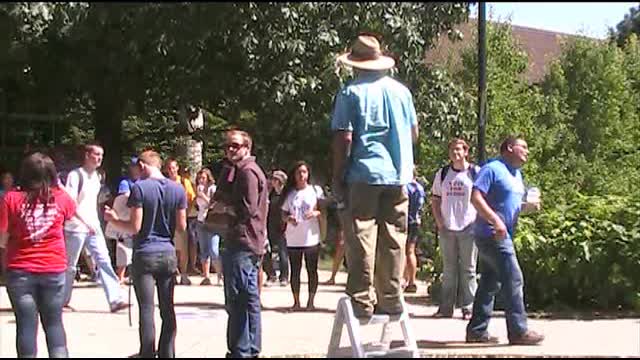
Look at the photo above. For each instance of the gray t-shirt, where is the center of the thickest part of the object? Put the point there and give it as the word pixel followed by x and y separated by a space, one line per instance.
pixel 159 199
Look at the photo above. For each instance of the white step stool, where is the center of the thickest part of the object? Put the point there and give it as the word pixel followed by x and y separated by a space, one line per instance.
pixel 345 316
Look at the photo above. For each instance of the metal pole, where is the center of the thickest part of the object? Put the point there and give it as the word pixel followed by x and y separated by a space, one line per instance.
pixel 482 81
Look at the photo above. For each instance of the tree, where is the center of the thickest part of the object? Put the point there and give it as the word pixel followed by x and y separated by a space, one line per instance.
pixel 267 67
pixel 629 25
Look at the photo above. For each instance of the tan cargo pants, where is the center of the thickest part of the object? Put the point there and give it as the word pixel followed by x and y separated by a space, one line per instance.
pixel 375 240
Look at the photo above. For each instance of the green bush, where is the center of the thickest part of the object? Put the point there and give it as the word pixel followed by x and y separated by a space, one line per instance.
pixel 585 255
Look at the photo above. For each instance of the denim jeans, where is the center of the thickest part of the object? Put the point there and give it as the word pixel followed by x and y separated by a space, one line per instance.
pixel 459 257
pixel 498 268
pixel 209 243
pixel 33 294
pixel 277 242
pixel 242 301
pixel 149 271
pixel 98 248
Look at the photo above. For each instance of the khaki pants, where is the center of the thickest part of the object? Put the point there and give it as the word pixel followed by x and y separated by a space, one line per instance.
pixel 375 246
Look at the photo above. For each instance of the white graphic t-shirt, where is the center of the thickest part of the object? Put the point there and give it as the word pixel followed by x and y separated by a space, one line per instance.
pixel 455 193
pixel 36 221
pixel 307 232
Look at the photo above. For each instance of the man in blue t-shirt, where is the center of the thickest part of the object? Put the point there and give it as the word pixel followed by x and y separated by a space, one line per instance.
pixel 498 193
pixel 158 208
pixel 374 126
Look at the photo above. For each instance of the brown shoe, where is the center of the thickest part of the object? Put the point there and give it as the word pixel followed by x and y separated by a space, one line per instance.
pixel 439 315
pixel 411 289
pixel 528 338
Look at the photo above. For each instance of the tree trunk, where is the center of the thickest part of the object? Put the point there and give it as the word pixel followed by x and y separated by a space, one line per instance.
pixel 191 151
pixel 108 124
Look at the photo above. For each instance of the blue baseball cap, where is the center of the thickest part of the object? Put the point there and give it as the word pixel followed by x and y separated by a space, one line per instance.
pixel 124 187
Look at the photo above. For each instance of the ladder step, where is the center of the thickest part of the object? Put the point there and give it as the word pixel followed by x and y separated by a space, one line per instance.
pixel 400 352
pixel 345 316
pixel 381 319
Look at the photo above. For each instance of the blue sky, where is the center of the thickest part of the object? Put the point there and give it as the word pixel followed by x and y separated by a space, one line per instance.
pixel 591 19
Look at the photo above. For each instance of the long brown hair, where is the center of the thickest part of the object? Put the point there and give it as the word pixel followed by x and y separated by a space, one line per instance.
pixel 291 179
pixel 210 178
pixel 38 176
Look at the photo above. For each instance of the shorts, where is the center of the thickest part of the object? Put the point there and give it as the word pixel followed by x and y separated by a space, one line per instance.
pixel 180 239
pixel 209 243
pixel 124 252
pixel 414 234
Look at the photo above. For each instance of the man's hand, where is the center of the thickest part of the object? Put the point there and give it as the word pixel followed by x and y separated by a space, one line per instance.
pixel 499 230
pixel 311 214
pixel 110 214
pixel 292 220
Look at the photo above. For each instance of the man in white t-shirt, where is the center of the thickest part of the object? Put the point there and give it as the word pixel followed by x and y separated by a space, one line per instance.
pixel 454 216
pixel 83 185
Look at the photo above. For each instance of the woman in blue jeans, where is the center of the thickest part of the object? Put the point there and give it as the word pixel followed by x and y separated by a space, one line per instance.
pixel 208 241
pixel 31 227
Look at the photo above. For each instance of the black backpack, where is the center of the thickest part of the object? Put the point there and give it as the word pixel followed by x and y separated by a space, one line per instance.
pixel 471 172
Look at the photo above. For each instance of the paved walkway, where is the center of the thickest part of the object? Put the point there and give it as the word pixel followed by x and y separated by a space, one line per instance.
pixel 94 332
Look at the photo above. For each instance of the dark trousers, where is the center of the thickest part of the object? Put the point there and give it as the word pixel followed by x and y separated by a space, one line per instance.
pixel 277 244
pixel 310 255
pixel 242 301
pixel 33 294
pixel 151 271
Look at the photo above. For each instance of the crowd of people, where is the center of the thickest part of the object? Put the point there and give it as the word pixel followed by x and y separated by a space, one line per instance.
pixel 162 227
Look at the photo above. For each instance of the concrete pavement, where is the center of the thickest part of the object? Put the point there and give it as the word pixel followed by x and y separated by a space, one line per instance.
pixel 93 331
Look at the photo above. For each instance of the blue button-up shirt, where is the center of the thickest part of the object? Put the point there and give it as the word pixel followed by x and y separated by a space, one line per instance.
pixel 379 111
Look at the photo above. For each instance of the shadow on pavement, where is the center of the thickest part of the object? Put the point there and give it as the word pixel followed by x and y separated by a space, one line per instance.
pixel 423 300
pixel 201 305
pixel 332 289
pixel 448 344
pixel 287 310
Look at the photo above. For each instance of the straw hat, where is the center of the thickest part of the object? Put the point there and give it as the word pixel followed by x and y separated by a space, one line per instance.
pixel 366 54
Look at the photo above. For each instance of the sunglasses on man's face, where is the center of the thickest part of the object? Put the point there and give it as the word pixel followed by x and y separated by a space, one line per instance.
pixel 233 146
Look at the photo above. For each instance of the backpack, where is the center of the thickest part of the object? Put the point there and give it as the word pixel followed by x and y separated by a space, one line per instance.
pixel 471 172
pixel 80 180
pixel 81 183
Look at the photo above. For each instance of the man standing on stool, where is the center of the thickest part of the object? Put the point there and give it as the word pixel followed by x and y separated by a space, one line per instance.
pixel 374 122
